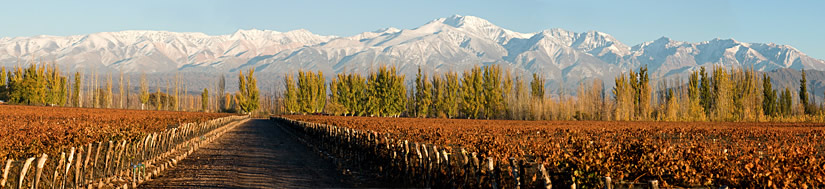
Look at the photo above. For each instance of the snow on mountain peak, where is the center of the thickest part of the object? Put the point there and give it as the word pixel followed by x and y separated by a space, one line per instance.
pixel 478 26
pixel 387 30
pixel 466 21
pixel 452 43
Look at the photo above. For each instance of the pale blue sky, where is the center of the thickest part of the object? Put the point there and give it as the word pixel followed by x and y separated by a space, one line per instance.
pixel 796 23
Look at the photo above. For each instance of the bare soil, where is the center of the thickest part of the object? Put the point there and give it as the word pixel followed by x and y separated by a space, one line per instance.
pixel 256 154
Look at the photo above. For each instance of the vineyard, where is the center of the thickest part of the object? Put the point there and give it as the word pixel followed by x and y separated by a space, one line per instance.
pixel 31 130
pixel 580 153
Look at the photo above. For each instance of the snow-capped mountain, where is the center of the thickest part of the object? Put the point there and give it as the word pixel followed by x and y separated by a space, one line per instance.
pixel 154 51
pixel 455 43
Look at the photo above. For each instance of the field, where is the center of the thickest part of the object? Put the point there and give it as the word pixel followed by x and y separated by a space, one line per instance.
pixel 29 130
pixel 677 154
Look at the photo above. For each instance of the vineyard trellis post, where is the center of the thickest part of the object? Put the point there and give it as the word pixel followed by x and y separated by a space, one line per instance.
pixel 654 184
pixel 515 172
pixel 491 169
pixel 24 171
pixel 607 183
pixel 6 173
pixel 40 162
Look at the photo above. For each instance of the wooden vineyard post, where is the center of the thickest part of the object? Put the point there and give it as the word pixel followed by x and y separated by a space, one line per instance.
pixel 654 184
pixel 524 177
pixel 85 168
pixel 59 166
pixel 476 169
pixel 107 160
pixel 464 167
pixel 94 163
pixel 406 158
pixel 40 162
pixel 545 176
pixel 448 170
pixel 68 166
pixel 514 170
pixel 420 156
pixel 427 165
pixel 607 183
pixel 437 165
pixel 491 171
pixel 120 157
pixel 77 167
pixel 23 172
pixel 6 173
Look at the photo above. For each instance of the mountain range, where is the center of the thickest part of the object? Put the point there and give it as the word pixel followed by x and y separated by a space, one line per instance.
pixel 454 43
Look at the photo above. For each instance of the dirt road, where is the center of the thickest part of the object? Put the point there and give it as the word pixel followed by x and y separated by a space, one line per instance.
pixel 256 154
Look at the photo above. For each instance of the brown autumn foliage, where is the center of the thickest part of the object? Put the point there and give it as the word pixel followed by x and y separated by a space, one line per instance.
pixel 26 131
pixel 678 154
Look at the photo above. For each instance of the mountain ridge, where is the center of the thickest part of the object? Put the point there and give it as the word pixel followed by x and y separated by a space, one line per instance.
pixel 454 43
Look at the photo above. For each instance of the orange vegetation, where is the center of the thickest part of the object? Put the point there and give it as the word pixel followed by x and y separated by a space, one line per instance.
pixel 687 154
pixel 29 130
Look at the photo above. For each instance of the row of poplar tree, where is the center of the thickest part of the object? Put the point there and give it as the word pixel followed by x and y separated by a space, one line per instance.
pixel 43 84
pixel 382 93
pixel 489 92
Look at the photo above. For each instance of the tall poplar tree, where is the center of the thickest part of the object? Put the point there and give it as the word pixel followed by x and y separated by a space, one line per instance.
pixel 696 112
pixel 472 93
pixel 205 100
pixel 320 87
pixel 623 96
pixel 3 90
pixel 144 91
pixel 537 86
pixel 803 94
pixel 423 95
pixel 722 95
pixel 769 97
pixel 452 94
pixel 643 90
pixel 290 95
pixel 77 98
pixel 493 93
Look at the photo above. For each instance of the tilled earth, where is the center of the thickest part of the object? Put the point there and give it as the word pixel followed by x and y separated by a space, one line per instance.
pixel 256 154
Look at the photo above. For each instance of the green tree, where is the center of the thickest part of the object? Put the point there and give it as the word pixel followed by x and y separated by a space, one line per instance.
pixel 144 91
pixel 493 93
pixel 722 95
pixel 77 96
pixel 696 112
pixel 334 106
pixel 107 100
pixel 307 92
pixel 452 94
pixel 205 100
pixel 768 96
pixel 786 102
pixel 3 96
pixel 29 87
pixel 623 96
pixel 643 91
pixel 320 87
pixel 290 95
pixel 803 94
pixel 355 95
pixel 438 107
pixel 423 95
pixel 704 92
pixel 473 93
pixel 248 97
pixel 386 93
pixel 537 86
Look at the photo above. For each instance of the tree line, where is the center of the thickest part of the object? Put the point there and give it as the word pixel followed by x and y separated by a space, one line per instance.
pixel 490 92
pixel 44 84
pixel 382 93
